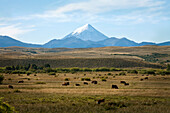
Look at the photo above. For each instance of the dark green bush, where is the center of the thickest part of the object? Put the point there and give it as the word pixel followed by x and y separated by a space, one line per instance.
pixel 85 79
pixel 17 91
pixel 103 79
pixel 40 83
pixel 1 78
pixel 122 73
pixel 66 79
pixel 109 74
pixel 52 73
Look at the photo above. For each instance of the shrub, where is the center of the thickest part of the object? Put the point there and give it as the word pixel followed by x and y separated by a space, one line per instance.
pixel 6 108
pixel 28 73
pixel 133 71
pixel 85 79
pixel 66 79
pixel 17 91
pixel 87 69
pixel 122 73
pixel 40 83
pixel 52 73
pixel 168 67
pixel 103 79
pixel 109 74
pixel 9 79
pixel 1 78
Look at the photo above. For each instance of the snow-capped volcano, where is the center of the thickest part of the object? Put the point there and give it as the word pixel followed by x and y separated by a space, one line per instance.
pixel 87 32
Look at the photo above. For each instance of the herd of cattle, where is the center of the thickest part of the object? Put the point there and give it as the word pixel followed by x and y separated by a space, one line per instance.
pixel 86 83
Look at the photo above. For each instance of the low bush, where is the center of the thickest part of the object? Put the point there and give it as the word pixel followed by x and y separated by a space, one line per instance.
pixel 122 73
pixel 66 79
pixel 40 83
pixel 52 73
pixel 85 79
pixel 1 78
pixel 104 80
pixel 17 91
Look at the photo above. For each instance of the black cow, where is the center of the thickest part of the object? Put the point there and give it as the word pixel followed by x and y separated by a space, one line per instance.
pixel 126 84
pixel 115 87
pixel 86 83
pixel 21 81
pixel 77 84
pixel 100 101
pixel 123 82
pixel 146 78
pixel 10 86
pixel 141 79
pixel 94 82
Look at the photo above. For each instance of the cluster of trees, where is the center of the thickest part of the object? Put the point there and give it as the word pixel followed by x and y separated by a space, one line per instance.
pixel 33 68
pixel 28 67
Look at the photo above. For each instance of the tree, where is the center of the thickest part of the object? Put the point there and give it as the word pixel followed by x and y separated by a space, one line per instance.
pixel 1 78
pixel 47 65
pixel 33 66
pixel 168 67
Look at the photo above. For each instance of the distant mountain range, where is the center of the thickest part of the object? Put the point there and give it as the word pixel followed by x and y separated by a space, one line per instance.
pixel 83 37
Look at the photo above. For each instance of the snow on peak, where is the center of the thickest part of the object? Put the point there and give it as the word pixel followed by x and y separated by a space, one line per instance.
pixel 87 32
pixel 83 28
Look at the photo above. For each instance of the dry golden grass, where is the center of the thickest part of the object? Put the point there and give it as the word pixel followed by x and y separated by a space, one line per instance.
pixel 152 95
pixel 154 86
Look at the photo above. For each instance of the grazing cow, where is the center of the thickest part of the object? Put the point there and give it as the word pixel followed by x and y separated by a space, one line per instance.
pixel 100 101
pixel 94 82
pixel 146 78
pixel 10 86
pixel 65 84
pixel 21 81
pixel 115 87
pixel 123 82
pixel 86 83
pixel 141 79
pixel 126 84
pixel 77 84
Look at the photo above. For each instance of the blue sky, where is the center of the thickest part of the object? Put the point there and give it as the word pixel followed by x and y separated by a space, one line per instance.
pixel 38 21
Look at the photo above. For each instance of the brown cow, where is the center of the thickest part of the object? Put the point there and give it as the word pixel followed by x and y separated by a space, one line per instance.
pixel 100 101
pixel 94 82
pixel 115 87
pixel 65 84
pixel 10 86
pixel 21 81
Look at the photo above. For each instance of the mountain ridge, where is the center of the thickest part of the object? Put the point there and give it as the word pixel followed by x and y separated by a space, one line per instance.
pixel 84 37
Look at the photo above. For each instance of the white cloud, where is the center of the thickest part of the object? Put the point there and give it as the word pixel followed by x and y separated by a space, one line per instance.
pixel 14 30
pixel 99 6
pixel 94 10
pixel 90 10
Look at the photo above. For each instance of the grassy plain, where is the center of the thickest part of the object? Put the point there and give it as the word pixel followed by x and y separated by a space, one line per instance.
pixel 45 94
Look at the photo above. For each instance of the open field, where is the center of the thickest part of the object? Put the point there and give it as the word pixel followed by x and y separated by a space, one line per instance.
pixel 45 93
